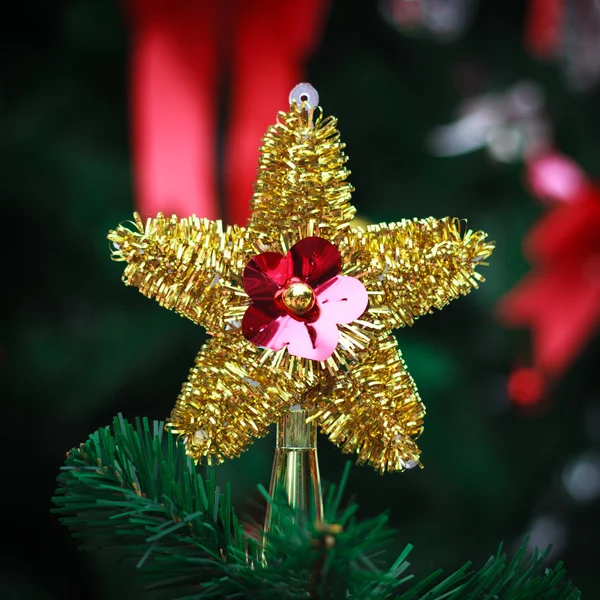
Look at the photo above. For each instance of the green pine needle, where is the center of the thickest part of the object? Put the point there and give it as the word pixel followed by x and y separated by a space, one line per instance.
pixel 132 488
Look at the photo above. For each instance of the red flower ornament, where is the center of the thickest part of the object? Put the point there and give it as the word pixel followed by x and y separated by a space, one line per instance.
pixel 299 299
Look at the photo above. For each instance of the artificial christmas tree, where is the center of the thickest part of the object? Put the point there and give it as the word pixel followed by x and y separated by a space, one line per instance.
pixel 78 347
pixel 276 353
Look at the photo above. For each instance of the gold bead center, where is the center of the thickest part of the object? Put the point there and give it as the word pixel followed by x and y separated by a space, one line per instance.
pixel 298 298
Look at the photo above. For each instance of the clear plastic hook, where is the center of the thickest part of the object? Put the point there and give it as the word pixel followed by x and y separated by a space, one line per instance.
pixel 304 92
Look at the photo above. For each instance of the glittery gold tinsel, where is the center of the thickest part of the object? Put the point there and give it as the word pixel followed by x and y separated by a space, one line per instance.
pixel 362 397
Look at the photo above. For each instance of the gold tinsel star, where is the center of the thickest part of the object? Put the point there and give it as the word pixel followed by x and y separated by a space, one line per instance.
pixel 362 397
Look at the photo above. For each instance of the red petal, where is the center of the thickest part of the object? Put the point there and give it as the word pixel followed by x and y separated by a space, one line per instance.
pixel 315 260
pixel 260 323
pixel 265 274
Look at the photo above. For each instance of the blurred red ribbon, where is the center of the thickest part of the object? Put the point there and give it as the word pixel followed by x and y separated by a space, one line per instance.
pixel 560 299
pixel 544 27
pixel 181 51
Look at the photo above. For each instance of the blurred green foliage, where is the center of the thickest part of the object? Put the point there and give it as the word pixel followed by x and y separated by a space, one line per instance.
pixel 78 347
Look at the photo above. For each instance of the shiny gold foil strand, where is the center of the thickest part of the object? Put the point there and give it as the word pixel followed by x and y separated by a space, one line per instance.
pixel 229 400
pixel 182 264
pixel 301 177
pixel 414 266
pixel 374 410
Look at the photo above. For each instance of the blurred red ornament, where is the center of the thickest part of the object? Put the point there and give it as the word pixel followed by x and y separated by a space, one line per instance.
pixel 543 30
pixel 183 52
pixel 299 299
pixel 560 299
pixel 525 387
pixel 567 31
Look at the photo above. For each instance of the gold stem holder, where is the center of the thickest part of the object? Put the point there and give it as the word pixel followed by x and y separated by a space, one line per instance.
pixel 295 476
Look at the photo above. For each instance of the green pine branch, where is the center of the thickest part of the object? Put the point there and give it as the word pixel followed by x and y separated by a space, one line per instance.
pixel 132 488
pixel 135 490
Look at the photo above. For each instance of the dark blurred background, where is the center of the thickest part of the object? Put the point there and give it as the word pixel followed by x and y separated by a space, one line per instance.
pixel 78 347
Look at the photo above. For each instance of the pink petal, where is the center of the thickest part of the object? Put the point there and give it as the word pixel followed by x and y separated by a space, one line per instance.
pixel 341 300
pixel 315 341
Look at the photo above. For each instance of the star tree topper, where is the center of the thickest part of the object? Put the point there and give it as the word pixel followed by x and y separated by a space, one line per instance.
pixel 300 305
